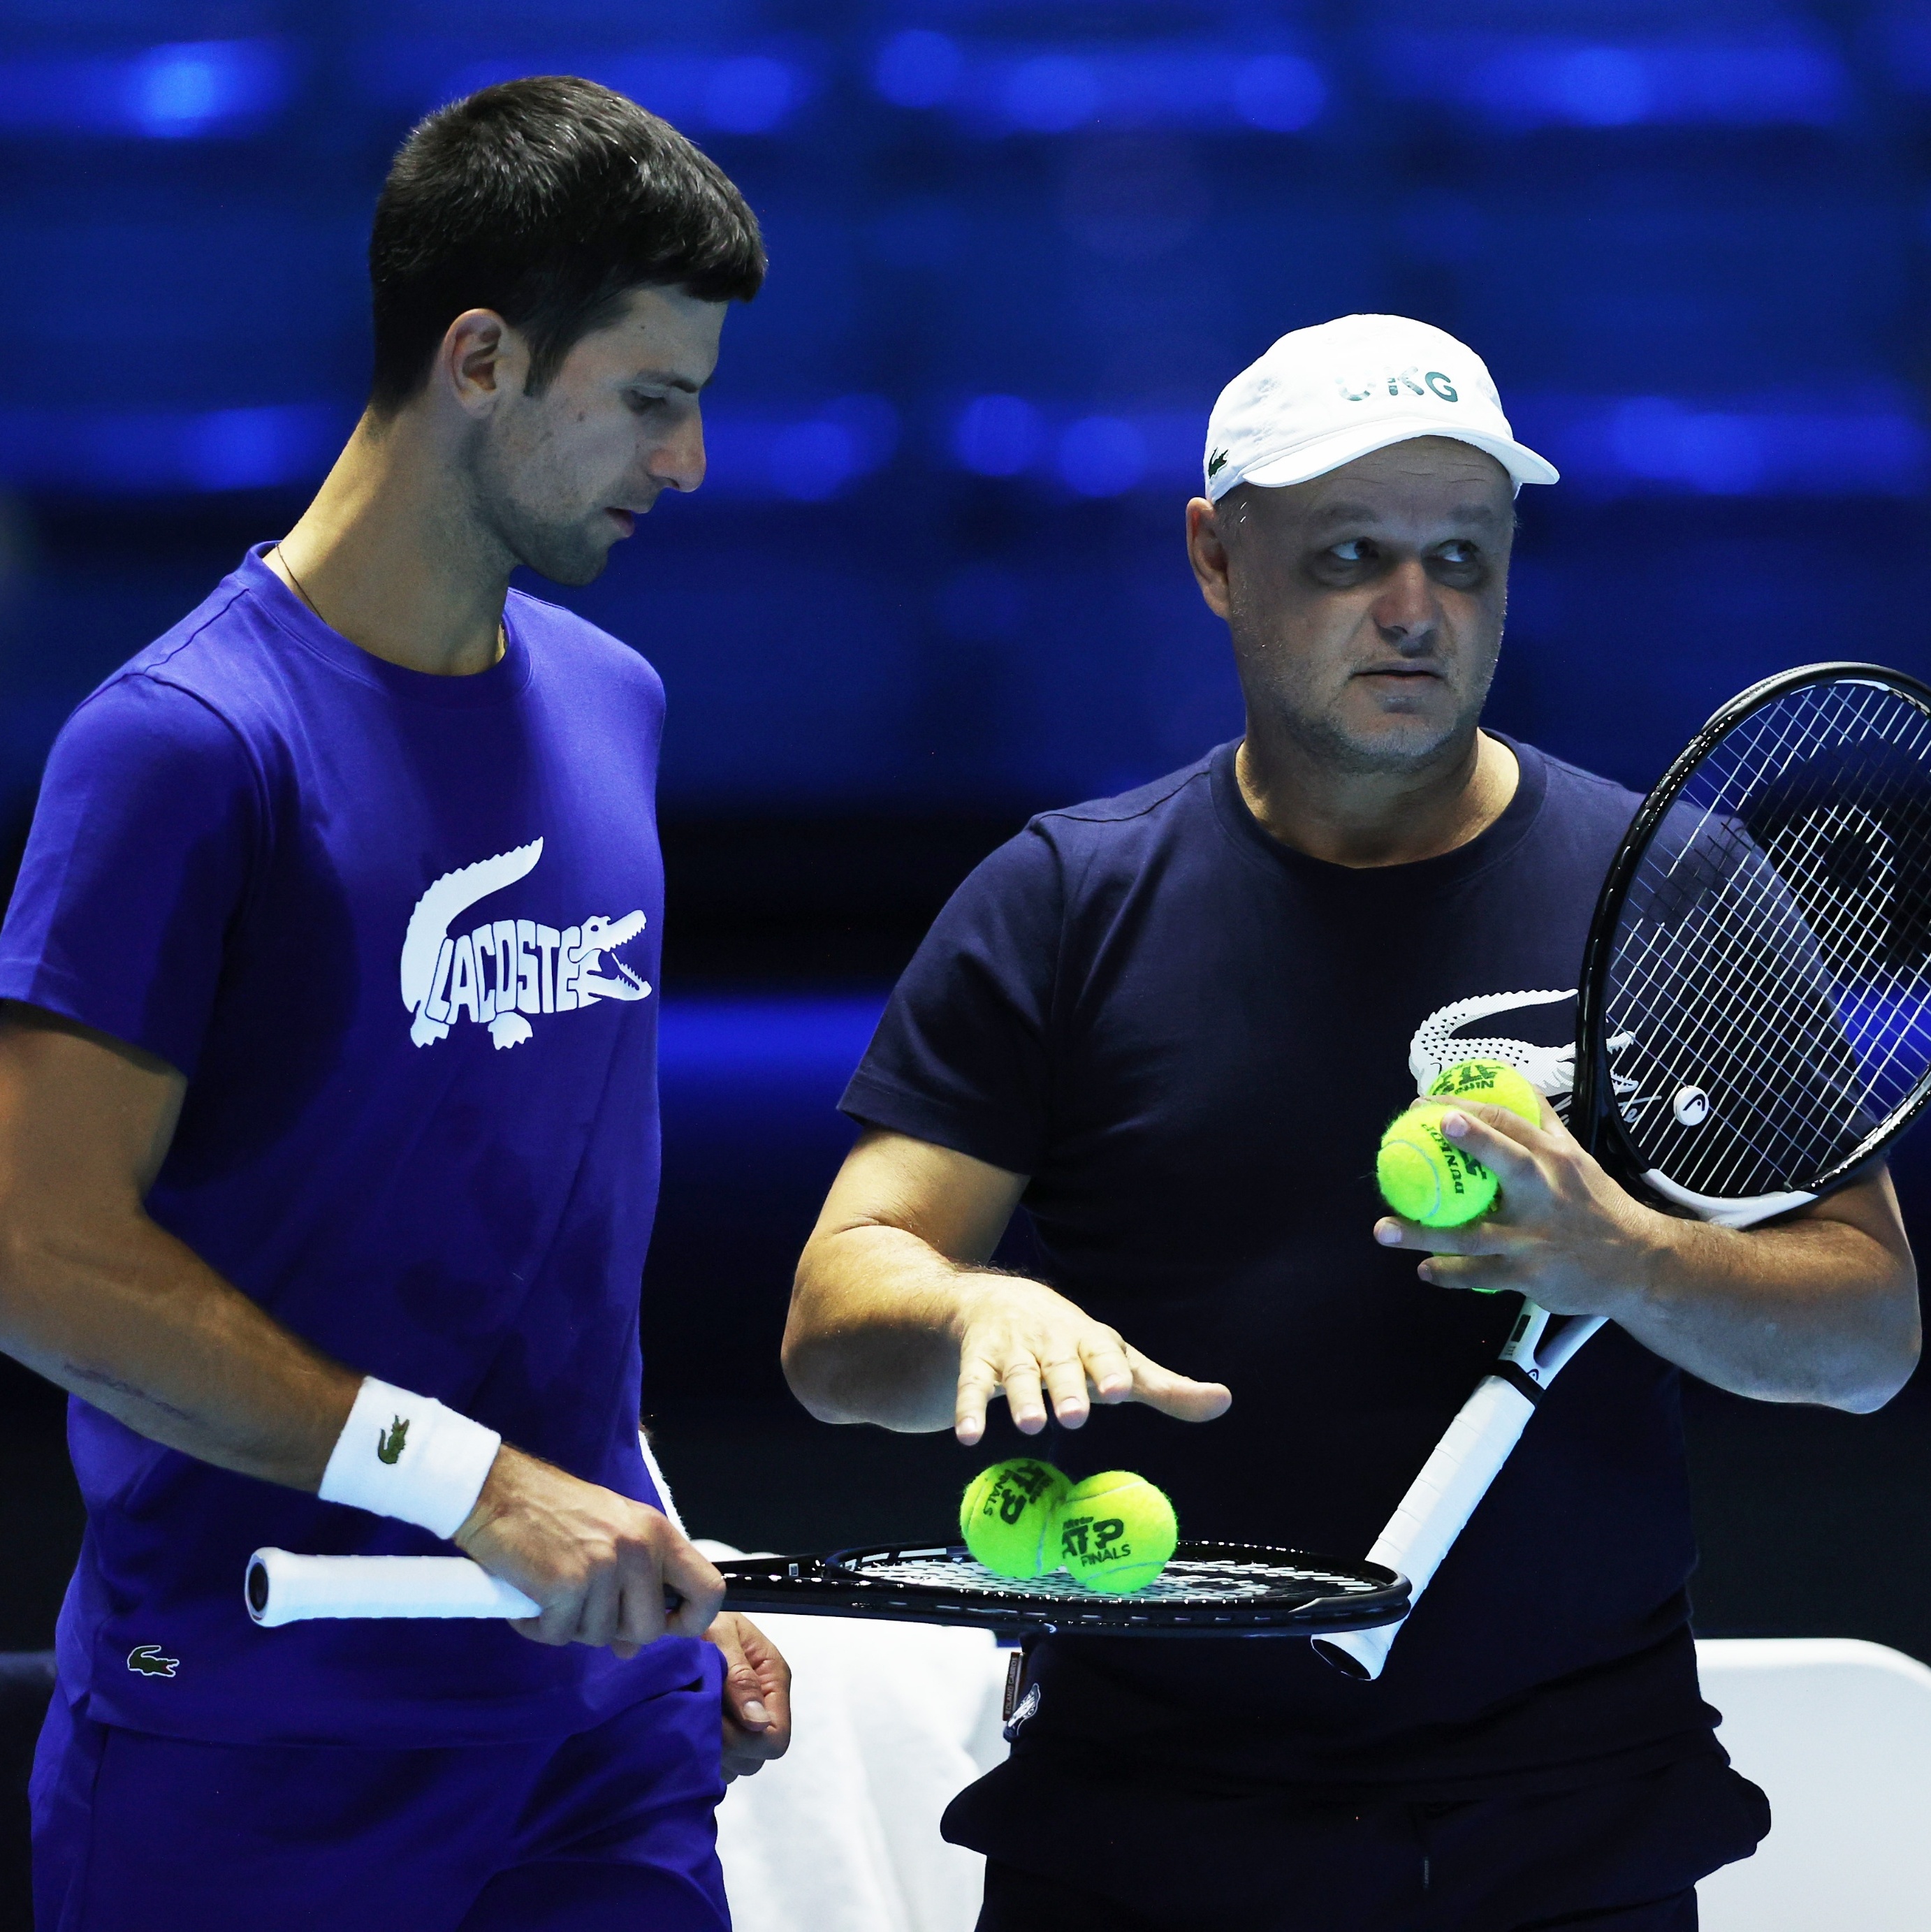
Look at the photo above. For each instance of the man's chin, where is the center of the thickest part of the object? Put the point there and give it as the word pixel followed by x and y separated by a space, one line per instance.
pixel 582 561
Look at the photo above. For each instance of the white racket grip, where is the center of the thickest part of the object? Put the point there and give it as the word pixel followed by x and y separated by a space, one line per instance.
pixel 1439 1502
pixel 282 1588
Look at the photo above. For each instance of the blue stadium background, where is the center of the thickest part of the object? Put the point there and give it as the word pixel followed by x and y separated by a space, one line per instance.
pixel 935 581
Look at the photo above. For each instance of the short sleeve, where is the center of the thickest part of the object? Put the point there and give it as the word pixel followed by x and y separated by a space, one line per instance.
pixel 135 866
pixel 962 1057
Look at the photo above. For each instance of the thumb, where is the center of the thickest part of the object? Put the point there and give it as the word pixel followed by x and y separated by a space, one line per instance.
pixel 1179 1397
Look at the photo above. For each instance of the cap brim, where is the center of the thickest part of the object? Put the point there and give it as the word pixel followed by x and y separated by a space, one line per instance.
pixel 1307 460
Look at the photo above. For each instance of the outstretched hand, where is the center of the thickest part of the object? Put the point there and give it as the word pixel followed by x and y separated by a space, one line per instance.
pixel 1561 1232
pixel 1019 1338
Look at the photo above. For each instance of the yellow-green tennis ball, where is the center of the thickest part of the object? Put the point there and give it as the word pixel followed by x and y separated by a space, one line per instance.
pixel 1493 1082
pixel 1117 1532
pixel 1009 1515
pixel 1424 1177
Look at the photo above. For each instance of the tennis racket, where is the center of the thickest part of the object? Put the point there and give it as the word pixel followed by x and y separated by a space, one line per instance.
pixel 1209 1589
pixel 1753 1023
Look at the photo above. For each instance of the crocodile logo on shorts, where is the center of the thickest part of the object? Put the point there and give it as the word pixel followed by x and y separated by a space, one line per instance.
pixel 145 1659
pixel 389 1446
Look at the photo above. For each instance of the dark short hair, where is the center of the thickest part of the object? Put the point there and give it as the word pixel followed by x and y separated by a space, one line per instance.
pixel 548 200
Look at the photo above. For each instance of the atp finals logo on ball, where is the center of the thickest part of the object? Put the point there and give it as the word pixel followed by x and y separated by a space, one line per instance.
pixel 504 972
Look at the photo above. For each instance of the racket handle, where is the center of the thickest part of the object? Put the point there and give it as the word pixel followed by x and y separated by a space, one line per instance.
pixel 283 1587
pixel 1429 1518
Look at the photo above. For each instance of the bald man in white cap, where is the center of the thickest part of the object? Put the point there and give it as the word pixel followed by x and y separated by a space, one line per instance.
pixel 1172 1024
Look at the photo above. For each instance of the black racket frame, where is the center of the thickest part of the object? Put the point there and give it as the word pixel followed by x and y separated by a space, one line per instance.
pixel 833 1585
pixel 1594 1122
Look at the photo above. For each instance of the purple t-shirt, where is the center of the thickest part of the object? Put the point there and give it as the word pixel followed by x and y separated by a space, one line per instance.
pixel 400 933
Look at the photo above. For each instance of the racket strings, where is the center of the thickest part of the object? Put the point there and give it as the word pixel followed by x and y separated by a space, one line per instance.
pixel 1772 952
pixel 1184 1580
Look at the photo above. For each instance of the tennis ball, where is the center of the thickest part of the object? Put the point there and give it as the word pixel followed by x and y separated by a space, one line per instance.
pixel 1008 1514
pixel 1492 1081
pixel 1424 1177
pixel 1117 1532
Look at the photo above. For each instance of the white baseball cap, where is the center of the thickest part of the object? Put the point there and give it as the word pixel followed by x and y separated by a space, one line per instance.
pixel 1323 396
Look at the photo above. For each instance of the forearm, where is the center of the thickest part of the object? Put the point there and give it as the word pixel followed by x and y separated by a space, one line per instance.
pixel 1816 1310
pixel 135 1323
pixel 874 1329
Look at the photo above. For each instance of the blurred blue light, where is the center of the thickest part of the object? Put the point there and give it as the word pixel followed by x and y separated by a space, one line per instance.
pixel 181 91
pixel 918 68
pixel 1054 90
pixel 998 435
pixel 751 95
pixel 808 458
pixel 1102 456
pixel 1823 447
pixel 147 452
pixel 1051 93
pixel 1778 76
pixel 1281 93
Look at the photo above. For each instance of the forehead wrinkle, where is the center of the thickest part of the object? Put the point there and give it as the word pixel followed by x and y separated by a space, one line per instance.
pixel 1366 513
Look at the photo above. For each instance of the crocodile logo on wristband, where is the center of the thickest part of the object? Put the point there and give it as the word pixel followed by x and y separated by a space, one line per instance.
pixel 389 1442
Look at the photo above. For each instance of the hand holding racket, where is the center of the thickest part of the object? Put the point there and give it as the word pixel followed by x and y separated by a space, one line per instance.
pixel 1753 1025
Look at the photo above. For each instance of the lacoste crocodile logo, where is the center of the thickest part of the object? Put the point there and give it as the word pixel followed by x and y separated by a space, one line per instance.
pixel 505 969
pixel 388 1447
pixel 1217 462
pixel 145 1659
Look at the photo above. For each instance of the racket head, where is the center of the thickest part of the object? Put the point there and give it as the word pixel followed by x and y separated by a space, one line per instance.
pixel 1752 1024
pixel 1209 1589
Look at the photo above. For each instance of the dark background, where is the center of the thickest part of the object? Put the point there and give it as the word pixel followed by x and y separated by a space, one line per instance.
pixel 935 582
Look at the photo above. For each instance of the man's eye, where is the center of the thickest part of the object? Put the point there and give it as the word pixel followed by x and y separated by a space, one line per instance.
pixel 1355 550
pixel 1459 556
pixel 643 404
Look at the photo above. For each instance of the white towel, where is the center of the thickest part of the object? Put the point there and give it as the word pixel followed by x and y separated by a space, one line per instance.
pixel 889 1721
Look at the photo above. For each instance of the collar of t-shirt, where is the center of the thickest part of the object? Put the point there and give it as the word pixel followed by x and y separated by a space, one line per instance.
pixel 1421 879
pixel 504 680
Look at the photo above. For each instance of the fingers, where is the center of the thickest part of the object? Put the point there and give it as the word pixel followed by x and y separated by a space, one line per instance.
pixel 978 1382
pixel 1481 1237
pixel 1066 1390
pixel 1512 1162
pixel 757 1714
pixel 1486 1274
pixel 1020 1379
pixel 1108 1369
pixel 687 1574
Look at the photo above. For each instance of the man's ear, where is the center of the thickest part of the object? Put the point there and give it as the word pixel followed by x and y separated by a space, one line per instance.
pixel 482 360
pixel 1207 552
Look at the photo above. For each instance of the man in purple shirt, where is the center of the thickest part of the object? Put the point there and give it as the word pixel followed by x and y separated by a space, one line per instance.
pixel 329 1143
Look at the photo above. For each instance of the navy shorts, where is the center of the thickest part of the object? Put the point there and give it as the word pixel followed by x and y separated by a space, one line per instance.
pixel 1620 1856
pixel 613 1827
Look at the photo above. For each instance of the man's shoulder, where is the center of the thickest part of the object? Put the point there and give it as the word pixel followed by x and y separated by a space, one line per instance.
pixel 1581 801
pixel 1128 816
pixel 562 641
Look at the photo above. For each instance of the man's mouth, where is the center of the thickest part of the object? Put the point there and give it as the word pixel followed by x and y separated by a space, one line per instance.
pixel 1399 670
pixel 625 520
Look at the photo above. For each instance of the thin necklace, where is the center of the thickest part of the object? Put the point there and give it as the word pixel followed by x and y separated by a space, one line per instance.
pixel 502 635
pixel 297 582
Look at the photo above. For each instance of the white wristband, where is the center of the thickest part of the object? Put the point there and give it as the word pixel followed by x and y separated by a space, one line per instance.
pixel 407 1456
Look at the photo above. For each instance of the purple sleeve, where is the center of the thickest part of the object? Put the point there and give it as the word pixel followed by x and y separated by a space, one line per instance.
pixel 136 862
pixel 962 1057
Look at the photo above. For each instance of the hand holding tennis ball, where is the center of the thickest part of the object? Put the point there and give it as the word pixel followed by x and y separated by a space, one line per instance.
pixel 1009 1517
pixel 1117 1532
pixel 1424 1176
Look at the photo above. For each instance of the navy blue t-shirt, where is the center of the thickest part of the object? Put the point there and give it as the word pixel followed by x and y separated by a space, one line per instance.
pixel 400 933
pixel 1190 1037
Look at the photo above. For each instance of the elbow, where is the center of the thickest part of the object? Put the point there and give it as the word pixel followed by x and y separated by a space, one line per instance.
pixel 804 1354
pixel 1892 1358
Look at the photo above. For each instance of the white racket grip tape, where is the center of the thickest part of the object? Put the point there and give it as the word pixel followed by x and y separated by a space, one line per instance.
pixel 282 1588
pixel 1439 1502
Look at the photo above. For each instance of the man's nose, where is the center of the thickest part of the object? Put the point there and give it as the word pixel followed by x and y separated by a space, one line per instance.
pixel 679 460
pixel 1405 610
